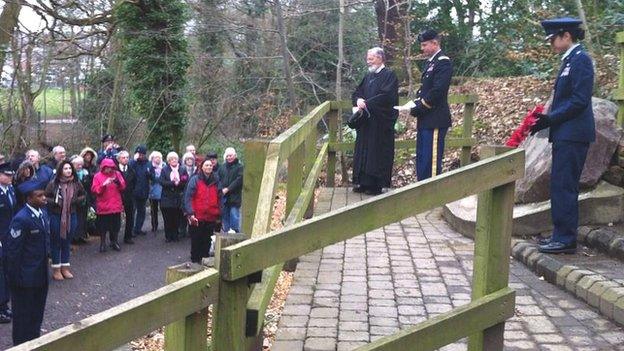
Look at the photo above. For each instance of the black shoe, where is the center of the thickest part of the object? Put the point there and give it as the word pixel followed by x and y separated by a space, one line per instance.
pixel 115 246
pixel 129 241
pixel 8 312
pixel 375 191
pixel 555 247
pixel 359 189
pixel 142 233
pixel 544 241
pixel 4 318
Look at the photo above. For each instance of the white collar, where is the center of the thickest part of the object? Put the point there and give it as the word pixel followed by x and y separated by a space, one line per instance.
pixel 37 212
pixel 434 55
pixel 4 188
pixel 569 51
pixel 380 68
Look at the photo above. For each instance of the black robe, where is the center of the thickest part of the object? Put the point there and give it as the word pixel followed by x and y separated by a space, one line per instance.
pixel 374 144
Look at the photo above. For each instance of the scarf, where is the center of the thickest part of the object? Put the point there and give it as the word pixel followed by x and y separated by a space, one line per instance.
pixel 67 188
pixel 175 174
pixel 157 169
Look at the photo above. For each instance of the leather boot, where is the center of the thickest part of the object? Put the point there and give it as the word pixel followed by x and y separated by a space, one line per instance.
pixel 66 273
pixel 56 274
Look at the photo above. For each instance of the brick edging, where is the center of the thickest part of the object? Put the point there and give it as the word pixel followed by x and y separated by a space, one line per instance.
pixel 603 239
pixel 596 290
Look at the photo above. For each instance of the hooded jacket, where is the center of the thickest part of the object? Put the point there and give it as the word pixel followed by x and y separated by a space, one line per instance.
pixel 108 197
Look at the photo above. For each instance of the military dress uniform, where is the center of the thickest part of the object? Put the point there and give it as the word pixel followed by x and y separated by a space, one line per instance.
pixel 8 207
pixel 572 129
pixel 27 249
pixel 432 111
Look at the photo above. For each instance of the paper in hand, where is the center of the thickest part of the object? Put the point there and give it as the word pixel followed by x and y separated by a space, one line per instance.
pixel 408 106
pixel 354 109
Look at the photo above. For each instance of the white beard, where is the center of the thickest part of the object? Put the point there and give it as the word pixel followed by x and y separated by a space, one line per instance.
pixel 372 69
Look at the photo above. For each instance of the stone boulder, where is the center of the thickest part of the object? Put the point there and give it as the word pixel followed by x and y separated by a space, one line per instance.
pixel 535 186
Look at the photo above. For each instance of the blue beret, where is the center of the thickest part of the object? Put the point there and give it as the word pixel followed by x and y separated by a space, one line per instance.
pixel 28 186
pixel 5 168
pixel 555 26
pixel 427 34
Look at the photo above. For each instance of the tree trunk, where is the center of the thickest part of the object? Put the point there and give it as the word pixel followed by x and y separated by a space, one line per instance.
pixel 8 23
pixel 341 19
pixel 388 28
pixel 285 56
pixel 581 12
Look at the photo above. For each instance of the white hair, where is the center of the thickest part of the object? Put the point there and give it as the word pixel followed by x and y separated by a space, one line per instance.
pixel 155 154
pixel 377 51
pixel 186 156
pixel 172 155
pixel 76 159
pixel 57 149
pixel 229 151
pixel 122 154
pixel 32 151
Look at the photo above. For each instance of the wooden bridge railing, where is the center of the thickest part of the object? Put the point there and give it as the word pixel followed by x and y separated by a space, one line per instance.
pixel 241 288
pixel 618 95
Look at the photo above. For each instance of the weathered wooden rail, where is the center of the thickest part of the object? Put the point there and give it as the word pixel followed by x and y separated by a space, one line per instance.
pixel 618 95
pixel 247 272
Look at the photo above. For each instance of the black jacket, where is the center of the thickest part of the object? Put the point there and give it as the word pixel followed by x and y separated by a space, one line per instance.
pixel 143 175
pixel 231 177
pixel 130 177
pixel 171 193
pixel 432 108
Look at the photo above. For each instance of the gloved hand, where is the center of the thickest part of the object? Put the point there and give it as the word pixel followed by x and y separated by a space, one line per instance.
pixel 408 106
pixel 543 122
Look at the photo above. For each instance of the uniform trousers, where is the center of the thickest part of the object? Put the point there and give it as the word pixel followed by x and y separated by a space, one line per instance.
pixel 201 240
pixel 424 151
pixel 568 159
pixel 5 294
pixel 28 307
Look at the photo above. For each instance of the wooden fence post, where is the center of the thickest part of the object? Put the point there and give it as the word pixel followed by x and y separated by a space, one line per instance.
pixel 469 109
pixel 229 314
pixel 296 162
pixel 190 333
pixel 619 94
pixel 491 252
pixel 310 158
pixel 255 152
pixel 332 117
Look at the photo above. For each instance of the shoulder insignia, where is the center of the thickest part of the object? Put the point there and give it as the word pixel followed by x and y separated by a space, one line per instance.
pixel 16 233
pixel 443 58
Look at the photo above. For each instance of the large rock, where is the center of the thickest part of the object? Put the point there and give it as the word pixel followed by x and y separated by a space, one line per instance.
pixel 535 186
pixel 600 206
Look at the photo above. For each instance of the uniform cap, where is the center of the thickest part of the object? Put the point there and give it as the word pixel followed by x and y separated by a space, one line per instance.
pixel 141 149
pixel 28 187
pixel 212 154
pixel 108 137
pixel 555 26
pixel 5 168
pixel 427 34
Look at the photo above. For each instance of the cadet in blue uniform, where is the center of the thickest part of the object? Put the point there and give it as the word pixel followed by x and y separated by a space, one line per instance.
pixel 8 207
pixel 431 106
pixel 26 250
pixel 571 123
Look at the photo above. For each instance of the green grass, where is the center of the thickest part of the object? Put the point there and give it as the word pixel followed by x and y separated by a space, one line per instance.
pixel 54 102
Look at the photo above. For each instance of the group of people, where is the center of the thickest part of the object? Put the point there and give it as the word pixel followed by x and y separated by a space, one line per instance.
pixel 570 122
pixel 45 206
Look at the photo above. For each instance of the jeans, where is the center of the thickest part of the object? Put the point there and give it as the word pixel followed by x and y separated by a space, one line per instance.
pixel 59 247
pixel 230 216
pixel 139 207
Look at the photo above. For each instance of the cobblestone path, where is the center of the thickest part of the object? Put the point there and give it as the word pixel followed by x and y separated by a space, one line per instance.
pixel 353 292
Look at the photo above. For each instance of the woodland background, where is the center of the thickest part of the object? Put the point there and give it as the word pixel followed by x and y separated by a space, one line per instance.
pixel 216 72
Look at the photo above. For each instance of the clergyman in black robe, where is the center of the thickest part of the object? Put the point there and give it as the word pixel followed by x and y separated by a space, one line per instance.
pixel 373 156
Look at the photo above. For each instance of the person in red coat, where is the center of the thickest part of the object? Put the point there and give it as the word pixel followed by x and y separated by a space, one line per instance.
pixel 108 184
pixel 201 207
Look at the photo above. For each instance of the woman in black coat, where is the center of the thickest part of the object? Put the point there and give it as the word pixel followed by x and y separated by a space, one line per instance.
pixel 173 179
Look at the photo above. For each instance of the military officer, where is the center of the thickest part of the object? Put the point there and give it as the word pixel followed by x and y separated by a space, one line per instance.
pixel 8 207
pixel 571 123
pixel 26 250
pixel 431 107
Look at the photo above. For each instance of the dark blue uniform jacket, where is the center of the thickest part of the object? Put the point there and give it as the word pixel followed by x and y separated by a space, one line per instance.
pixel 26 250
pixel 435 80
pixel 7 211
pixel 571 113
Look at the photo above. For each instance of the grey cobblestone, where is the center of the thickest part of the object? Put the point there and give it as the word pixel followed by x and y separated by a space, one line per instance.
pixel 401 275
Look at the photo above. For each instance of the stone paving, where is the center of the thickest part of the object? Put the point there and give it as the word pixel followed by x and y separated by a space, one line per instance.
pixel 357 291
